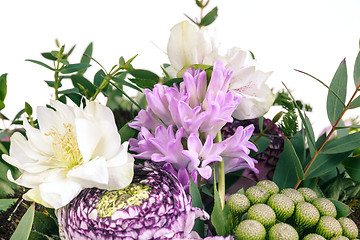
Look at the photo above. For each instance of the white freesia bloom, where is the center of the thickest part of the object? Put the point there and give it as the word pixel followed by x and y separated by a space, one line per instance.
pixel 188 45
pixel 74 148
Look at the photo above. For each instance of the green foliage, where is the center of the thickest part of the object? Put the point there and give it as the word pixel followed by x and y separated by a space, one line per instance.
pixel 209 18
pixel 3 90
pixel 196 201
pixel 24 228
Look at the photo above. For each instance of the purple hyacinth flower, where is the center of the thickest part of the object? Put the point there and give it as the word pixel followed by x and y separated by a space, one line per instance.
pixel 154 206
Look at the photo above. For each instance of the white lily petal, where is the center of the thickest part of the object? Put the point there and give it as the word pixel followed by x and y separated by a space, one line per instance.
pixel 37 139
pixel 88 138
pixel 60 192
pixel 65 112
pixel 91 174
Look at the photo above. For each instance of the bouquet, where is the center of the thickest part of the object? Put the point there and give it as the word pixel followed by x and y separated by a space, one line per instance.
pixel 186 155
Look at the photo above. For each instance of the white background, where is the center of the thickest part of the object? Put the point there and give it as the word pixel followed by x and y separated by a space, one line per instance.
pixel 310 35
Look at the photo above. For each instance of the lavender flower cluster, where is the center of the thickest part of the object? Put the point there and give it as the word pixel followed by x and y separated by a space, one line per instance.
pixel 180 124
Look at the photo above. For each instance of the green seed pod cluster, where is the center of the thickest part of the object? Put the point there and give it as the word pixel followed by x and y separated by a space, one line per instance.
pixel 265 213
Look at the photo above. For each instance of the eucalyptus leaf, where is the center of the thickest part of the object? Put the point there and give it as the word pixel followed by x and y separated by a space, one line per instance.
pixel 6 203
pixel 196 201
pixel 52 84
pixel 99 77
pixel 143 83
pixel 40 63
pixel 342 209
pixel 357 71
pixel 83 85
pixel 355 103
pixel 28 109
pixel 86 57
pixel 310 136
pixel 352 166
pixel 126 83
pixel 24 228
pixel 262 143
pixel 76 98
pixel 338 85
pixel 127 132
pixel 144 74
pixel 71 90
pixel 71 68
pixel 171 82
pixel 210 17
pixel 45 224
pixel 344 144
pixel 3 86
pixel 324 163
pixel 48 56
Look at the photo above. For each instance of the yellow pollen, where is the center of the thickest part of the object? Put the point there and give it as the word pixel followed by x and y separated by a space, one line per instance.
pixel 65 147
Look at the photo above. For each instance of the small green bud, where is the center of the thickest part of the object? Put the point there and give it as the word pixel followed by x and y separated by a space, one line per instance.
pixel 328 227
pixel 263 214
pixel 238 203
pixel 282 205
pixel 257 194
pixel 306 215
pixel 269 185
pixel 250 230
pixel 309 194
pixel 350 230
pixel 325 207
pixel 283 231
pixel 314 236
pixel 293 195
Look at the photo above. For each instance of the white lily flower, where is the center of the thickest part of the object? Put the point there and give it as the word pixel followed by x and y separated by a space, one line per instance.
pixel 73 149
pixel 187 46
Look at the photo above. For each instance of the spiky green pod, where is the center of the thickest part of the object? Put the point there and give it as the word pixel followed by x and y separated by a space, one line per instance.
pixel 309 194
pixel 306 215
pixel 269 185
pixel 263 214
pixel 282 205
pixel 314 236
pixel 257 194
pixel 325 207
pixel 238 204
pixel 282 231
pixel 328 227
pixel 293 195
pixel 350 230
pixel 250 230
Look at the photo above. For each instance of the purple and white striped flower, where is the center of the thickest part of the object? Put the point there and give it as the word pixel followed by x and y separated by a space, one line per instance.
pixel 154 206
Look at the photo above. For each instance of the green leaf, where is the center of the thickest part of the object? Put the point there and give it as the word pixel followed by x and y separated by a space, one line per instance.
pixel 352 166
pixel 6 203
pixel 24 228
pixel 357 71
pixel 171 82
pixel 67 91
pixel 52 83
pixel 120 81
pixel 262 143
pixel 144 74
pixel 342 209
pixel 83 85
pixel 76 98
pixel 28 109
pixel 344 144
pixel 324 163
pixel 74 68
pixel 127 132
pixel 45 224
pixel 310 136
pixel 38 236
pixel 210 17
pixel 99 77
pixel 3 87
pixel 143 83
pixel 355 103
pixel 288 170
pixel 48 56
pixel 219 215
pixel 86 57
pixel 40 63
pixel 338 84
pixel 196 201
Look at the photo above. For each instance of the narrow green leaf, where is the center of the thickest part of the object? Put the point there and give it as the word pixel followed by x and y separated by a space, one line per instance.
pixel 288 170
pixel 325 163
pixel 24 228
pixel 74 67
pixel 344 144
pixel 210 17
pixel 171 82
pixel 40 63
pixel 352 166
pixel 48 56
pixel 143 83
pixel 355 103
pixel 55 54
pixel 6 203
pixel 196 201
pixel 126 83
pixel 219 215
pixel 357 71
pixel 71 90
pixel 144 74
pixel 86 57
pixel 76 98
pixel 52 83
pixel 262 143
pixel 310 136
pixel 342 209
pixel 126 133
pixel 3 87
pixel 79 81
pixel 28 109
pixel 338 84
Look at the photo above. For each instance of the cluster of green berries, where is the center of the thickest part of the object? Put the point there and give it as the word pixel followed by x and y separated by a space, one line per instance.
pixel 264 212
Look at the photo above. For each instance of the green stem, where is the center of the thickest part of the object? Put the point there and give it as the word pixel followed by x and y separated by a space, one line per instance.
pixel 221 175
